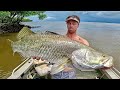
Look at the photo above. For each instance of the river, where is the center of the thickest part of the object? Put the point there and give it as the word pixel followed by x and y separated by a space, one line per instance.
pixel 7 61
pixel 104 37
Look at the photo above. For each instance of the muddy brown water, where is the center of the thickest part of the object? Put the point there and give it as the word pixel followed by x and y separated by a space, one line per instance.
pixel 104 37
pixel 8 61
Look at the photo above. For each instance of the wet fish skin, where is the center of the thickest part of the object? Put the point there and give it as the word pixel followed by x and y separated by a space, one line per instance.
pixel 54 47
pixel 91 59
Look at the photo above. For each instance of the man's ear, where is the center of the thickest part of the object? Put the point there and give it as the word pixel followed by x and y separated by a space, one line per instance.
pixel 78 24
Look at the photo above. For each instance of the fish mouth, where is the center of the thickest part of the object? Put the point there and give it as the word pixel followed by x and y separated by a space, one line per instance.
pixel 109 62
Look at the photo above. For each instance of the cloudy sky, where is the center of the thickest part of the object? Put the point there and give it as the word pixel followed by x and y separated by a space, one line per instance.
pixel 85 16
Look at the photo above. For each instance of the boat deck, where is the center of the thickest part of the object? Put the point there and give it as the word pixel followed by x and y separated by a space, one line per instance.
pixel 26 71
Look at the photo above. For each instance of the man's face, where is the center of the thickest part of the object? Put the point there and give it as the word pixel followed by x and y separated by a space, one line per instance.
pixel 72 26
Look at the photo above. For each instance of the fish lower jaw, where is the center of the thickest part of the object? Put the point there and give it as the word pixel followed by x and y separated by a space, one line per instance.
pixel 108 63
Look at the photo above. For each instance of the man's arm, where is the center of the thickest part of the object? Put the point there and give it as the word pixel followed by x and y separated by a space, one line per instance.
pixel 86 42
pixel 82 40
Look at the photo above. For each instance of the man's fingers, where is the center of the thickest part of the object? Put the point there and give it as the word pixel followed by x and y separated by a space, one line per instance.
pixel 37 58
pixel 68 69
pixel 43 69
pixel 34 57
pixel 42 59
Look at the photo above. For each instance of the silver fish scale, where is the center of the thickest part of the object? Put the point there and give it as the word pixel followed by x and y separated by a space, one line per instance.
pixel 54 48
pixel 45 51
pixel 50 47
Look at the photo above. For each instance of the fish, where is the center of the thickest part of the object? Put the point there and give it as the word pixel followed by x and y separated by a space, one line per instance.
pixel 58 50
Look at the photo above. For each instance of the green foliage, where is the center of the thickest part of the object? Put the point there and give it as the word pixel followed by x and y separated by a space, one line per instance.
pixel 4 13
pixel 26 20
pixel 18 16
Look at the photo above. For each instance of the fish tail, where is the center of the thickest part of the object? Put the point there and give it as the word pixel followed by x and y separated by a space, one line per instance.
pixel 10 41
pixel 11 45
pixel 13 53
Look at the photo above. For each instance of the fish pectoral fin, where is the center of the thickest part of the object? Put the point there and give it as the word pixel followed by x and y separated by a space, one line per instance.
pixel 10 41
pixel 59 66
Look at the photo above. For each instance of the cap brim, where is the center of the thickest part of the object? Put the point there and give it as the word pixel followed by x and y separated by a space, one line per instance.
pixel 74 19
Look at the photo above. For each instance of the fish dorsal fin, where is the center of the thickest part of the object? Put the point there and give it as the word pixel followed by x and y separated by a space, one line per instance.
pixel 52 33
pixel 23 32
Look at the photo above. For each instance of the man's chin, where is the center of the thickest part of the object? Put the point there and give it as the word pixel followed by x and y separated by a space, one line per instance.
pixel 71 31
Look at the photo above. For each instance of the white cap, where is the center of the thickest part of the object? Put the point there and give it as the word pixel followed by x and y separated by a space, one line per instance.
pixel 72 18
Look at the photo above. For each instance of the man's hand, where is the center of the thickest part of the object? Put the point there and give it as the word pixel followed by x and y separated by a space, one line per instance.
pixel 43 70
pixel 38 60
pixel 67 69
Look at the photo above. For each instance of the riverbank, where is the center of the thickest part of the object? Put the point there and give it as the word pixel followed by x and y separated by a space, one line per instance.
pixel 11 28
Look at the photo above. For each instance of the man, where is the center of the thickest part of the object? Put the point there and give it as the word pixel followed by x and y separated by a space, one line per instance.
pixel 72 26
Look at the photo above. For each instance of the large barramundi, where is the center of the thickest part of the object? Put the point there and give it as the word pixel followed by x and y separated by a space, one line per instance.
pixel 56 48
